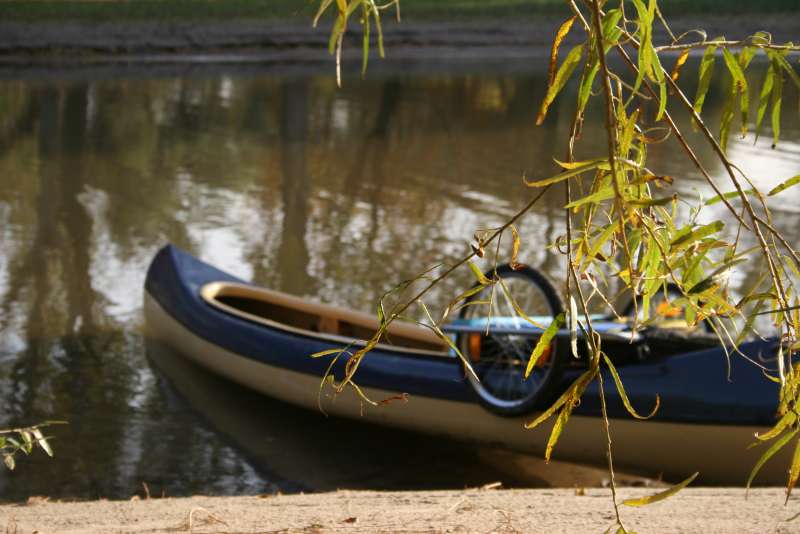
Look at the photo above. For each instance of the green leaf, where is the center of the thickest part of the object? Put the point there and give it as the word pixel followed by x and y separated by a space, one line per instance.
pixel 740 82
pixel 703 231
pixel 643 501
pixel 624 396
pixel 786 421
pixel 585 88
pixel 776 100
pixel 706 73
pixel 365 43
pixel 794 471
pixel 482 280
pixel 603 193
pixel 562 76
pixel 778 445
pixel 544 341
pixel 748 325
pixel 727 196
pixel 573 326
pixel 745 56
pixel 603 238
pixel 763 96
pixel 322 8
pixel 787 68
pixel 794 180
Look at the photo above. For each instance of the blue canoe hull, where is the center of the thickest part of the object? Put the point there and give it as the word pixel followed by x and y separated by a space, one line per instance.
pixel 701 413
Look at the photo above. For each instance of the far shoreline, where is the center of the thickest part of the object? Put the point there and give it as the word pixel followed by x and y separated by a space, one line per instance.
pixel 293 41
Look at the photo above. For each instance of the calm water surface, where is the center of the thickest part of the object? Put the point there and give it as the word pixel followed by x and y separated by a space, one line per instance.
pixel 283 179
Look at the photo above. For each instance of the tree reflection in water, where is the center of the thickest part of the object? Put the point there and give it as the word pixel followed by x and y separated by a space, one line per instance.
pixel 325 193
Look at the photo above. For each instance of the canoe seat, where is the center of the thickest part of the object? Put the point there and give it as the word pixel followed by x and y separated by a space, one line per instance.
pixel 328 325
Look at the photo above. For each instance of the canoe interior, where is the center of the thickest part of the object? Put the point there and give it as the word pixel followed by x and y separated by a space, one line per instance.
pixel 287 312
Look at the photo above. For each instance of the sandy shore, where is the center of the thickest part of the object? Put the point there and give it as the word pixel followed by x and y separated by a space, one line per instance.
pixel 476 510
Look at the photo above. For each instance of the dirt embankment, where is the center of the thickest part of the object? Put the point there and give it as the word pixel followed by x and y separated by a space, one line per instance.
pixel 254 40
pixel 529 511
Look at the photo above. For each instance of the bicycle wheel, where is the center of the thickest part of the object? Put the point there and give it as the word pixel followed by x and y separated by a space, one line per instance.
pixel 500 360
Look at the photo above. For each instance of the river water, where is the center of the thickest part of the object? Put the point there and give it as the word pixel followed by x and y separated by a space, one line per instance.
pixel 281 178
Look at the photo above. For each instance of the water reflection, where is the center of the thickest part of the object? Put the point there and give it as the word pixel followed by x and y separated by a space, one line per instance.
pixel 326 193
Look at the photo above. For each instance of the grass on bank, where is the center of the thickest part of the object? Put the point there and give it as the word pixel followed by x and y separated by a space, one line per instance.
pixel 302 10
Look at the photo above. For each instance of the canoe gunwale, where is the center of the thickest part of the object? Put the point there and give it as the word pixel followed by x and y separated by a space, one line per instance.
pixel 210 293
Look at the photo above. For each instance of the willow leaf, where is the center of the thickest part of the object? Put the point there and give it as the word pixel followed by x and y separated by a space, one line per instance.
pixel 794 471
pixel 605 235
pixel 463 296
pixel 365 43
pixel 573 326
pixel 322 8
pixel 676 70
pixel 706 73
pixel 514 264
pixel 624 396
pixel 778 445
pixel 726 119
pixel 735 69
pixel 578 386
pixel 446 339
pixel 745 56
pixel 727 196
pixel 544 341
pixel 566 174
pixel 748 325
pixel 763 96
pixel 328 352
pixel 558 427
pixel 562 76
pixel 482 280
pixel 648 202
pixel 786 421
pixel 585 87
pixel 695 235
pixel 794 180
pixel 777 100
pixel 787 67
pixel 572 165
pixel 650 499
pixel 604 193
pixel 562 32
pixel 337 32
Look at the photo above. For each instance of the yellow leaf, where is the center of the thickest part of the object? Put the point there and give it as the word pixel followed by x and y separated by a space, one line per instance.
pixel 650 499
pixel 676 71
pixel 544 342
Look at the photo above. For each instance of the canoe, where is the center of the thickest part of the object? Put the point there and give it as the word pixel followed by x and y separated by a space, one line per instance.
pixel 263 339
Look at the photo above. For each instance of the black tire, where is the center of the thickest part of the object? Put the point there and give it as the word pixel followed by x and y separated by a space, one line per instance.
pixel 502 388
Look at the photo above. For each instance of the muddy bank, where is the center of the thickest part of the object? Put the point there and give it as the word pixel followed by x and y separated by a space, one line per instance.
pixel 238 41
pixel 477 510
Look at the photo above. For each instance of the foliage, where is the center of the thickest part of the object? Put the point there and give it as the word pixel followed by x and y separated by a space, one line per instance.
pixel 624 227
pixel 24 440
